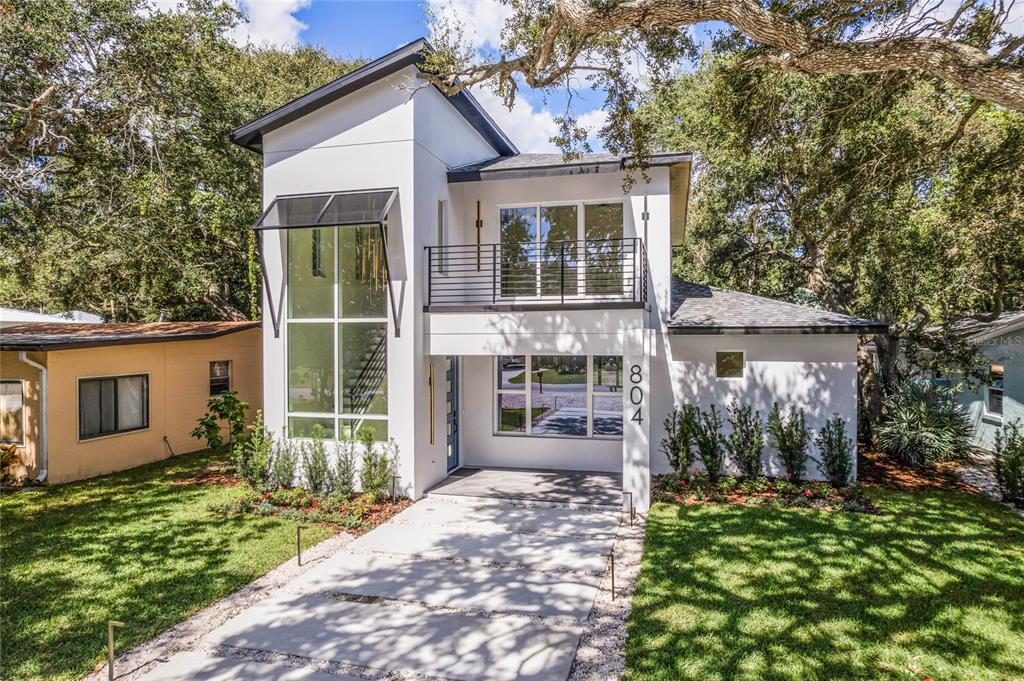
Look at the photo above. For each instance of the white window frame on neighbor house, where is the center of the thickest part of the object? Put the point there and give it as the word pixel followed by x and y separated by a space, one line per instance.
pixel 117 433
pixel 995 415
pixel 497 390
pixel 581 229
pixel 21 386
pixel 335 417
pixel 226 362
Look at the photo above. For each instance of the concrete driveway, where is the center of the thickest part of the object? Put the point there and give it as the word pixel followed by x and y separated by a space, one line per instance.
pixel 465 588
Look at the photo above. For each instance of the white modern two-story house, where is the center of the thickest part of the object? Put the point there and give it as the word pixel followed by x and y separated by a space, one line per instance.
pixel 488 308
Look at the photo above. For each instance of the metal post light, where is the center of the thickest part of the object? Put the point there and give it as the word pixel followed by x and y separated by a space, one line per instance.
pixel 110 647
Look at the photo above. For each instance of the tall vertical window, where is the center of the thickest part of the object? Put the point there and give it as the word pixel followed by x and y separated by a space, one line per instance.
pixel 107 406
pixel 604 249
pixel 994 404
pixel 337 331
pixel 563 395
pixel 220 377
pixel 12 412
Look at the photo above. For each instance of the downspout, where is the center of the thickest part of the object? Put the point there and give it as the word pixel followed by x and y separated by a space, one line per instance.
pixel 43 461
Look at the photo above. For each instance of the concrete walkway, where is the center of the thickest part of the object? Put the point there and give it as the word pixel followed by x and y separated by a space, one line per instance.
pixel 474 588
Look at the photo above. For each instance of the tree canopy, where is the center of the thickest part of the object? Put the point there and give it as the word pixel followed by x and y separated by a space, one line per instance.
pixel 120 192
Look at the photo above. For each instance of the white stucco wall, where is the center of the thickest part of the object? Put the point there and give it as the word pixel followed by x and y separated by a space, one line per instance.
pixel 817 373
pixel 1006 349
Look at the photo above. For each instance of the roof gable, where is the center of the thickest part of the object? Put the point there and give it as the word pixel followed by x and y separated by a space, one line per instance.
pixel 251 134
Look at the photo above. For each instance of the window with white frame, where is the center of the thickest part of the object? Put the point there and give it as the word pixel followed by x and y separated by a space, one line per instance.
pixel 541 249
pixel 994 403
pixel 112 405
pixel 12 412
pixel 559 395
pixel 337 331
pixel 220 377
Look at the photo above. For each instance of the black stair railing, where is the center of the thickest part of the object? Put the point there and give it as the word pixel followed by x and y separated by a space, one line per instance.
pixel 372 373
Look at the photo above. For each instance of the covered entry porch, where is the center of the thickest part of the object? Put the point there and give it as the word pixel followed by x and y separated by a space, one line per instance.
pixel 571 488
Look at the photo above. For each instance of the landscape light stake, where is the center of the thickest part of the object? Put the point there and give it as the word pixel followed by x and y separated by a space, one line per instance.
pixel 631 514
pixel 298 544
pixel 394 483
pixel 110 647
pixel 611 557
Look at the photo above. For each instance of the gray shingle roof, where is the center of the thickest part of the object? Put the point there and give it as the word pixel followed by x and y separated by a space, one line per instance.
pixel 702 309
pixel 539 165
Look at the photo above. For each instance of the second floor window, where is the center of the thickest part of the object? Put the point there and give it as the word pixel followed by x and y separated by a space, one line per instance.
pixel 557 250
pixel 107 406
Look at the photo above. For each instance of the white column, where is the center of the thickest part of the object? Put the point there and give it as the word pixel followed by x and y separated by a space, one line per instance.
pixel 636 422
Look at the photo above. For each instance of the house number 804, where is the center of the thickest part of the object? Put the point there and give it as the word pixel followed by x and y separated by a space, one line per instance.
pixel 636 393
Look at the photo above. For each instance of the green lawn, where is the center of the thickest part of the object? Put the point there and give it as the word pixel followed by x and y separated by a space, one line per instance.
pixel 934 587
pixel 138 546
pixel 551 377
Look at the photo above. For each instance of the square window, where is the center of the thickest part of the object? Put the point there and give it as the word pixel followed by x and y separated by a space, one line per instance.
pixel 107 406
pixel 729 364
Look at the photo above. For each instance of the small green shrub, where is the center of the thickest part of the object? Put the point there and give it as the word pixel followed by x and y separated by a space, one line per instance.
pixel 343 473
pixel 1009 462
pixel 786 488
pixel 223 407
pixel 295 497
pixel 680 425
pixel 710 443
pixel 727 484
pixel 745 443
pixel 252 454
pixel 284 463
pixel 755 485
pixel 836 451
pixel 922 424
pixel 315 468
pixel 791 437
pixel 378 465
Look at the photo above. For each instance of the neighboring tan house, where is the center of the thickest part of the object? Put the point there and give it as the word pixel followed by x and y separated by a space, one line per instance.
pixel 990 407
pixel 81 400
pixel 485 307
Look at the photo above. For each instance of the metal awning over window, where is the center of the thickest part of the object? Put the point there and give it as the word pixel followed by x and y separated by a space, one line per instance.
pixel 330 209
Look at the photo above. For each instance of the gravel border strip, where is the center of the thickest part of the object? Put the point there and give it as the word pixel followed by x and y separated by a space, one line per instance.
pixel 602 651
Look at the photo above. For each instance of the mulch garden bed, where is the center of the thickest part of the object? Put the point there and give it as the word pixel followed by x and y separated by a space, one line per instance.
pixel 761 491
pixel 877 470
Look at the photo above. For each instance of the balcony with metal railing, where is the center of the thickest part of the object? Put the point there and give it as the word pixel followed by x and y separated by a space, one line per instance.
pixel 596 273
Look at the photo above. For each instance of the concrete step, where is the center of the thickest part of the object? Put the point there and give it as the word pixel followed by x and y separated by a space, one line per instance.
pixel 196 666
pixel 510 517
pixel 488 544
pixel 458 586
pixel 406 638
pixel 526 502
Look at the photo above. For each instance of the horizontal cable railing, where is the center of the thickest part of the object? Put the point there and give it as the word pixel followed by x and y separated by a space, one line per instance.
pixel 589 271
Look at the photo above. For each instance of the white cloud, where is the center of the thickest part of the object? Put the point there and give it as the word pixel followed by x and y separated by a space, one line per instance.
pixel 270 22
pixel 266 22
pixel 529 127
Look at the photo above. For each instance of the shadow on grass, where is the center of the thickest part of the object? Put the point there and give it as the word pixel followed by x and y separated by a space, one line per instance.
pixel 131 546
pixel 934 587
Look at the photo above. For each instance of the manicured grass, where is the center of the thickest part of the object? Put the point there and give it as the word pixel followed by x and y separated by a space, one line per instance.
pixel 138 546
pixel 933 587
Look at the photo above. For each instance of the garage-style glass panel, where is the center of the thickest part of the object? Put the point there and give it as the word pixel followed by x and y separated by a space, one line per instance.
pixel 608 414
pixel 362 275
pixel 518 251
pixel 558 251
pixel 558 394
pixel 512 372
pixel 511 413
pixel 729 364
pixel 363 363
pixel 607 374
pixel 311 273
pixel 311 368
pixel 602 225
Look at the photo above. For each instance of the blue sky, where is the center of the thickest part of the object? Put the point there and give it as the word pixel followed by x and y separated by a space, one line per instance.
pixel 371 28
